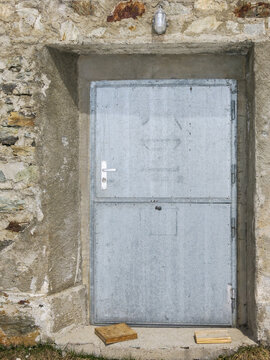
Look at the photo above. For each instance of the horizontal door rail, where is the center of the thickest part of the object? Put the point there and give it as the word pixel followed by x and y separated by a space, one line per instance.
pixel 163 200
pixel 172 82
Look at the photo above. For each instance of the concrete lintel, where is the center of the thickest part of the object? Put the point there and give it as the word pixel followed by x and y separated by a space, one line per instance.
pixel 241 47
pixel 152 343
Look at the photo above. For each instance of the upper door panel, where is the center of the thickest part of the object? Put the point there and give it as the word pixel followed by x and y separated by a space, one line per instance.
pixel 166 138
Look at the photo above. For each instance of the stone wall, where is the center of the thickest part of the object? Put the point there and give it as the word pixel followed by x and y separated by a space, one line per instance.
pixel 40 250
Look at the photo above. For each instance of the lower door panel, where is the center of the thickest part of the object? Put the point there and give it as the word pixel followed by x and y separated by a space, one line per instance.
pixel 162 263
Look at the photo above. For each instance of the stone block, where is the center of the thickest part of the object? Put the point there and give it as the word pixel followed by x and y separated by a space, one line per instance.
pixel 208 5
pixel 28 175
pixel 2 176
pixel 68 31
pixel 25 316
pixel 206 24
pixel 17 323
pixel 8 140
pixel 6 11
pixel 81 7
pixel 255 29
pixel 14 325
pixel 5 243
pixel 11 169
pixel 233 27
pixel 9 205
pixel 22 89
pixel 8 88
pixel 22 150
pixel 25 340
pixel 7 185
pixel 18 119
pixel 173 8
pixel 29 15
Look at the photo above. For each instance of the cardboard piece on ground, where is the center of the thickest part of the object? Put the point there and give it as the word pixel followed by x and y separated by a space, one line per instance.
pixel 115 333
pixel 212 337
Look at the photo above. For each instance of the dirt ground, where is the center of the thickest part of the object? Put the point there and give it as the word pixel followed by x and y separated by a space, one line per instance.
pixel 48 352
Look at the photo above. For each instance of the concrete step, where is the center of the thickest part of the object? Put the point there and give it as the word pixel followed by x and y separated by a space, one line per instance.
pixel 152 344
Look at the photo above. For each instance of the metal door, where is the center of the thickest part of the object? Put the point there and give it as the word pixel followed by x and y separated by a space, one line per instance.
pixel 163 202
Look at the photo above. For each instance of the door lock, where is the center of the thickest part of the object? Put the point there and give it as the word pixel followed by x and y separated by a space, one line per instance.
pixel 104 172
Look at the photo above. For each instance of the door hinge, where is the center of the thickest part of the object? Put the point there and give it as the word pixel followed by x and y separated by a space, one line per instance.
pixel 233 299
pixel 233 227
pixel 234 173
pixel 233 109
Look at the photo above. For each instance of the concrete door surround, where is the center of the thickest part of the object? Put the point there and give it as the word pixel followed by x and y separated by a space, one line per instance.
pixel 65 126
pixel 117 67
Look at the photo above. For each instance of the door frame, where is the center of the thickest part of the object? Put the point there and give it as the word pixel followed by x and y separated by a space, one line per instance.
pixel 187 82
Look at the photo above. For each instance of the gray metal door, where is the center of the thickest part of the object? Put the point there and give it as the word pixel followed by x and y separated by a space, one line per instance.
pixel 163 202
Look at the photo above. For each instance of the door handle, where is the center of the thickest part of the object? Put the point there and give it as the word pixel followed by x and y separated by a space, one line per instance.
pixel 109 170
pixel 104 171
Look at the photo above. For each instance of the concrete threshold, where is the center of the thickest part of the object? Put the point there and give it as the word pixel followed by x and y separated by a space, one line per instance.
pixel 152 344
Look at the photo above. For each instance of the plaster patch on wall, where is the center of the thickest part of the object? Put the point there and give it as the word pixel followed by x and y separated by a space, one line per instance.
pixel 46 83
pixel 33 286
pixel 78 264
pixel 33 230
pixel 44 250
pixel 65 141
pixel 45 285
pixel 40 215
pixel 36 206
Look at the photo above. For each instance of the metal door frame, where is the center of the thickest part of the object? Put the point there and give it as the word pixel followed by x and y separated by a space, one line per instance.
pixel 92 148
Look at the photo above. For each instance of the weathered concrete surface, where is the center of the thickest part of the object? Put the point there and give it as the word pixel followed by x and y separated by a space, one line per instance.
pixel 68 308
pixel 152 343
pixel 249 222
pixel 59 173
pixel 26 318
pixel 262 196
